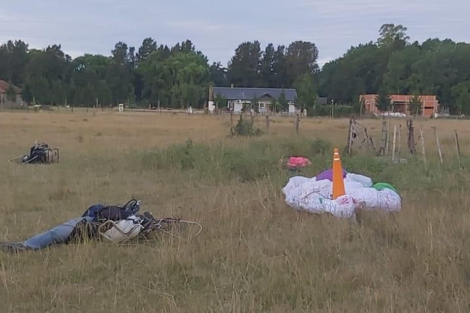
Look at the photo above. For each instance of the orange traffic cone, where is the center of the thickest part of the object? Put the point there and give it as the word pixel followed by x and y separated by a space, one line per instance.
pixel 338 181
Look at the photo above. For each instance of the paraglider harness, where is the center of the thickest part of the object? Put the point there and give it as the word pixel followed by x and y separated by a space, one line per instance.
pixel 121 224
pixel 112 223
pixel 40 153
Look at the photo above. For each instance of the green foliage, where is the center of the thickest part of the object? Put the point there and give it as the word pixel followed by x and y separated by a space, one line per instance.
pixel 255 160
pixel 306 91
pixel 221 101
pixel 383 101
pixel 245 129
pixel 179 76
pixel 415 106
pixel 219 75
pixel 27 95
pixel 213 161
pixel 11 93
pixel 254 103
pixel 433 67
pixel 282 101
pixel 274 105
pixel 321 146
pixel 390 34
pixel 339 110
pixel 461 93
pixel 178 80
pixel 277 68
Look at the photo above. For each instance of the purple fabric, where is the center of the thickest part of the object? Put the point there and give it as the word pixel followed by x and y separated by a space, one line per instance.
pixel 328 174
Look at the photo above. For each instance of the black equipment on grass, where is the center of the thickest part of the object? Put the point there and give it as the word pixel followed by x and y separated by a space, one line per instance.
pixel 40 153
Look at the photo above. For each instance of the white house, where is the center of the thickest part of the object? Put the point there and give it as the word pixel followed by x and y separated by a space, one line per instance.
pixel 240 98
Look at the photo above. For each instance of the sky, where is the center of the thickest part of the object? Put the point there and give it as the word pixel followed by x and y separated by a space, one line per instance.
pixel 217 27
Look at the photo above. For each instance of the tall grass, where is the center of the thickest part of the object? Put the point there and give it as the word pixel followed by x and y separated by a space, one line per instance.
pixel 255 254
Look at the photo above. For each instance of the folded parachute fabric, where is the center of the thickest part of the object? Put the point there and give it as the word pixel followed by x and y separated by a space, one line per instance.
pixel 315 195
pixel 328 174
pixel 382 186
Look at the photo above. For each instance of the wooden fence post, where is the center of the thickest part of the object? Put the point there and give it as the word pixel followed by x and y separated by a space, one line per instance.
pixel 267 122
pixel 457 145
pixel 387 146
pixel 411 137
pixel 394 142
pixel 383 145
pixel 399 143
pixel 297 124
pixel 421 134
pixel 350 136
pixel 438 144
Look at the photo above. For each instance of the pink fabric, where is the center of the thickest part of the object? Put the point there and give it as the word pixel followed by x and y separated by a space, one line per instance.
pixel 298 162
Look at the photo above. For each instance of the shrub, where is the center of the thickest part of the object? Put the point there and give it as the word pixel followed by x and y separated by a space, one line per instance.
pixel 244 128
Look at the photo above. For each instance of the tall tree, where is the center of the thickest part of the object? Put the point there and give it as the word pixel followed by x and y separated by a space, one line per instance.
pixel 306 91
pixel 415 106
pixel 461 94
pixel 244 68
pixel 11 93
pixel 280 68
pixel 391 34
pixel 119 53
pixel 383 101
pixel 219 75
pixel 13 59
pixel 267 69
pixel 45 70
pixel 282 101
pixel 302 59
pixel 148 47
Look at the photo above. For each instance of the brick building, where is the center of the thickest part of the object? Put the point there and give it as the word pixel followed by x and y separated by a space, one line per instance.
pixel 4 101
pixel 400 104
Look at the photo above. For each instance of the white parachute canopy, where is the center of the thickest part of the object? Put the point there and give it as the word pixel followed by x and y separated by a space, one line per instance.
pixel 308 194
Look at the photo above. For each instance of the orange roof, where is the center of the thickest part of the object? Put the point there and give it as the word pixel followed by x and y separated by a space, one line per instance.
pixel 4 86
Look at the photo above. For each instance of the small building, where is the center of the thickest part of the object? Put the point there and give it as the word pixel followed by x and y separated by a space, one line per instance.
pixel 4 101
pixel 321 101
pixel 400 104
pixel 241 98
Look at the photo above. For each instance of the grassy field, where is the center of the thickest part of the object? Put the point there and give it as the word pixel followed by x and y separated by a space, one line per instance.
pixel 255 254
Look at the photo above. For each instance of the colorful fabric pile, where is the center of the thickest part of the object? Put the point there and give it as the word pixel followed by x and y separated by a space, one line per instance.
pixel 315 195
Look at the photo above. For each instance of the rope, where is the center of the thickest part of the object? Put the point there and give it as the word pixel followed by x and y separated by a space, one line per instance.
pixel 17 158
pixel 181 222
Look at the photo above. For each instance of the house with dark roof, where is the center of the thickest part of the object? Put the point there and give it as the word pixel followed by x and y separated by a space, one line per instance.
pixel 241 98
pixel 4 101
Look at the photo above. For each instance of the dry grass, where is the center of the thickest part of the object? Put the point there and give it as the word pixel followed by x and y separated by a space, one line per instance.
pixel 255 254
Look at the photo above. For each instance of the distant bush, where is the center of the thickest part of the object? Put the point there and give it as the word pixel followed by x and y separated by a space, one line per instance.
pixel 259 159
pixel 214 161
pixel 245 128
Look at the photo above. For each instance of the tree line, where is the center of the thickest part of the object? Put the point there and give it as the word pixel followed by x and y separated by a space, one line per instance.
pixel 394 65
pixel 180 76
pixel 177 76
